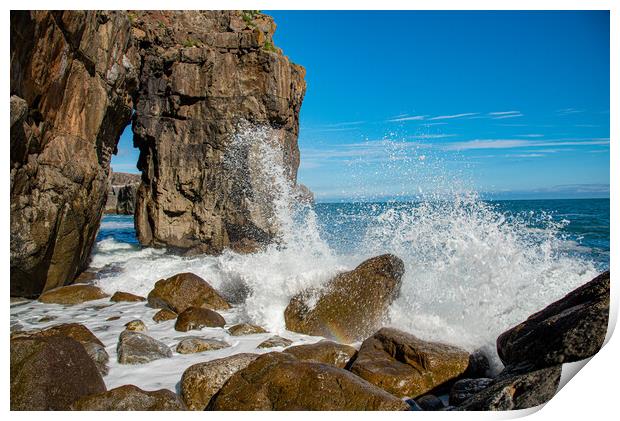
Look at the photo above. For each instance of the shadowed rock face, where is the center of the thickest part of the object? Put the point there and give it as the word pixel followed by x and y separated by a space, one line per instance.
pixel 191 78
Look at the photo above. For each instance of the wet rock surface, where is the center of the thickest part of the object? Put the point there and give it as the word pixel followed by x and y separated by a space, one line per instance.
pixel 130 398
pixel 465 388
pixel 353 304
pixel 201 381
pixel 327 352
pixel 164 315
pixel 50 373
pixel 195 318
pixel 185 290
pixel 138 348
pixel 120 297
pixel 406 366
pixel 193 345
pixel 245 329
pixel 275 341
pixel 72 294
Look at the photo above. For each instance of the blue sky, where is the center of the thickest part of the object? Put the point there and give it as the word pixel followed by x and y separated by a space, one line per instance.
pixel 515 104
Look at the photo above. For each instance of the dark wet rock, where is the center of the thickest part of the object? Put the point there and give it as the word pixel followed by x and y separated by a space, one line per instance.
pixel 407 366
pixel 164 315
pixel 413 406
pixel 279 381
pixel 93 346
pixel 138 348
pixel 327 352
pixel 130 398
pixel 46 319
pixel 352 305
pixel 465 388
pixel 119 296
pixel 72 294
pixel 185 290
pixel 275 341
pixel 201 381
pixel 518 391
pixel 245 329
pixel 112 318
pixel 50 373
pixel 193 345
pixel 479 365
pixel 195 318
pixel 570 329
pixel 430 403
pixel 136 326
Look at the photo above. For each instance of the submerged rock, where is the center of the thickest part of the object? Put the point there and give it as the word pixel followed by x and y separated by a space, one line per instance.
pixel 120 296
pixel 275 341
pixel 50 373
pixel 279 381
pixel 93 346
pixel 194 345
pixel 570 329
pixel 72 294
pixel 138 348
pixel 430 403
pixel 130 398
pixel 135 326
pixel 201 381
pixel 195 318
pixel 407 366
pixel 327 352
pixel 185 290
pixel 164 315
pixel 245 329
pixel 352 305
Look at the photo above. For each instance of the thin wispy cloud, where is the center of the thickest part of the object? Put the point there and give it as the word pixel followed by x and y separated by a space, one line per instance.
pixel 531 135
pixel 449 117
pixel 520 143
pixel 408 118
pixel 567 111
pixel 503 116
pixel 504 112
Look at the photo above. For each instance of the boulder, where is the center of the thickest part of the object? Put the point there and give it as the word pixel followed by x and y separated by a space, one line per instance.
pixel 327 352
pixel 245 329
pixel 195 318
pixel 72 294
pixel 407 366
pixel 516 391
pixel 119 296
pixel 130 398
pixel 138 348
pixel 275 341
pixel 352 305
pixel 279 381
pixel 93 346
pixel 430 403
pixel 466 388
pixel 185 290
pixel 50 373
pixel 193 345
pixel 135 326
pixel 201 381
pixel 570 329
pixel 164 315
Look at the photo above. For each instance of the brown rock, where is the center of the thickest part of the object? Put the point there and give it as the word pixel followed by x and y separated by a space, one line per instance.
pixel 130 398
pixel 138 348
pixel 72 294
pixel 86 277
pixel 571 329
pixel 275 341
pixel 245 329
pixel 50 373
pixel 193 345
pixel 407 366
pixel 352 305
pixel 185 290
pixel 278 381
pixel 195 318
pixel 164 314
pixel 135 326
pixel 327 352
pixel 112 318
pixel 201 381
pixel 119 296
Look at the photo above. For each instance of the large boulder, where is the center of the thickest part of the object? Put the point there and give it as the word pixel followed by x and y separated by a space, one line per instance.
pixel 72 294
pixel 120 297
pixel 279 381
pixel 407 366
pixel 327 352
pixel 570 329
pixel 274 341
pixel 138 348
pixel 201 381
pixel 130 398
pixel 93 346
pixel 352 305
pixel 195 318
pixel 185 290
pixel 50 373
pixel 516 391
pixel 164 315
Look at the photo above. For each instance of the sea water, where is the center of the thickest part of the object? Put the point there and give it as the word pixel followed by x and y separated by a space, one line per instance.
pixel 473 268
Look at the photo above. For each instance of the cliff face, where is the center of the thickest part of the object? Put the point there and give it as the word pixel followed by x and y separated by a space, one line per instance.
pixel 122 193
pixel 192 77
pixel 202 74
pixel 71 78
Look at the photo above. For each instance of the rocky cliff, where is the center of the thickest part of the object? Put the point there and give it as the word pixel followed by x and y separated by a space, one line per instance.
pixel 122 193
pixel 191 77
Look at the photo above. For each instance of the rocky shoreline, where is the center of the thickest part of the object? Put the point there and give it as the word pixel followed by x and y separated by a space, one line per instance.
pixel 62 367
